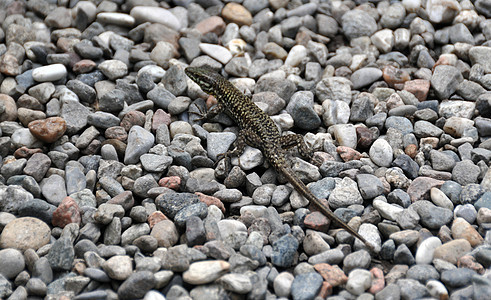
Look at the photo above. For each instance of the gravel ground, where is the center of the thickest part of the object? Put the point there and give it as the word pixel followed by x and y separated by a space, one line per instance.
pixel 110 189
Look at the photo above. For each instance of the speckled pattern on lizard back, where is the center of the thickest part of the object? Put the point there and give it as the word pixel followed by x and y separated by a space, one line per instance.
pixel 258 130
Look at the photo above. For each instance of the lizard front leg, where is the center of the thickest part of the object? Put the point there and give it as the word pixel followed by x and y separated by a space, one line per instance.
pixel 202 115
pixel 246 137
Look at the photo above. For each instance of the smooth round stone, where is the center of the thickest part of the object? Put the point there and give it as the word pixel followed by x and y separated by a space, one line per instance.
pixel 25 233
pixel 440 199
pixel 424 254
pixel 453 250
pixel 48 130
pixel 116 18
pixel 205 271
pixel 49 73
pixel 165 232
pixel 461 229
pixel 178 127
pixel 236 13
pixel 296 55
pixel 467 211
pixel 282 284
pixel 11 263
pixel 9 108
pixel 381 153
pixel 345 194
pixel 437 289
pixel 217 52
pixel 365 76
pixel 153 14
pixel 118 267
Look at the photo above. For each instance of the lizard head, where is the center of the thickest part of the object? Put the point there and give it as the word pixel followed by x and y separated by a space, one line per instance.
pixel 207 79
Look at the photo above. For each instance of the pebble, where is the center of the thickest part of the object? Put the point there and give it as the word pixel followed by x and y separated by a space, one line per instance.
pixel 160 15
pixel 48 130
pixel 205 271
pixel 115 18
pixel 461 229
pixel 359 281
pixel 118 267
pixel 61 254
pixel 452 251
pixel 139 142
pixel 425 251
pixel 381 153
pixel 345 194
pixel 25 233
pixel 49 73
pixel 237 283
pixel 284 250
pixel 137 285
pixel 11 263
pixel 306 286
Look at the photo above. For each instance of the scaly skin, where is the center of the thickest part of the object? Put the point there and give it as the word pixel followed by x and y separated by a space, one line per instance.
pixel 258 130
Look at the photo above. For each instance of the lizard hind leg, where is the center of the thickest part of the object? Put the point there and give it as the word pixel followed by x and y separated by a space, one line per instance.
pixel 291 140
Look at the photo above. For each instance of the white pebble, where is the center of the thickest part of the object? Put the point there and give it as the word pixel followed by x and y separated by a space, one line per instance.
pixel 116 19
pixel 153 295
pixel 411 5
pixel 381 153
pixel 345 135
pixel 152 14
pixel 335 112
pixel 440 199
pixel 383 40
pixel 359 281
pixel 437 289
pixel 282 284
pixel 52 72
pixel 203 272
pixel 217 52
pixel 296 56
pixel 424 254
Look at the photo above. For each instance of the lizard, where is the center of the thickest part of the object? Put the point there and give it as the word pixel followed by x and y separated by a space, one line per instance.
pixel 258 130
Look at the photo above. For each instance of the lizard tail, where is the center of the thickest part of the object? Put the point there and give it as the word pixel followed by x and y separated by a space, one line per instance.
pixel 304 190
